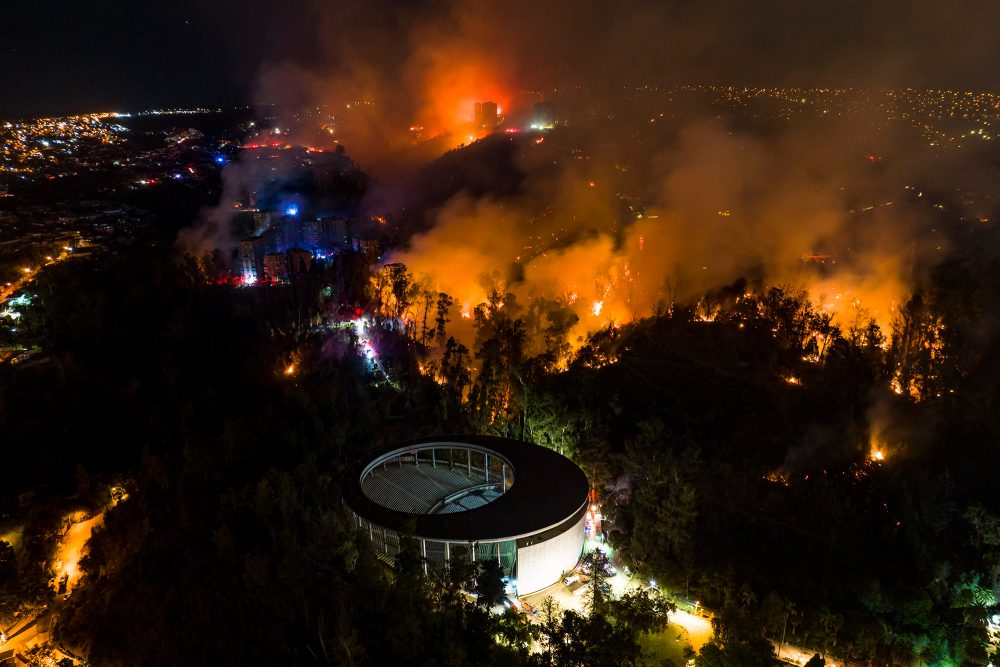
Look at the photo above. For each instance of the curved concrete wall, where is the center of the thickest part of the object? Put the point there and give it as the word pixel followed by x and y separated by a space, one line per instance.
pixel 540 565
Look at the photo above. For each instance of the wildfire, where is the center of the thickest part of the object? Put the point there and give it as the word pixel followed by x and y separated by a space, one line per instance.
pixel 600 360
pixel 877 449
pixel 596 308
pixel 293 365
pixel 778 477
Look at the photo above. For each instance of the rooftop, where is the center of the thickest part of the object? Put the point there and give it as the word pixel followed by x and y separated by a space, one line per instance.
pixel 547 489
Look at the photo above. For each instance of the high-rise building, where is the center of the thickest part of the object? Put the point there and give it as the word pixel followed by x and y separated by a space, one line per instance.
pixel 251 253
pixel 334 233
pixel 312 235
pixel 486 114
pixel 298 261
pixel 275 267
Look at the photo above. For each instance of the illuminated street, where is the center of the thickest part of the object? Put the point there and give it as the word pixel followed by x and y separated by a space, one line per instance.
pixel 71 548
pixel 372 314
pixel 34 629
pixel 29 274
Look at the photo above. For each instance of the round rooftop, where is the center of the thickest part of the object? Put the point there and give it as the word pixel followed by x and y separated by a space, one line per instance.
pixel 436 479
pixel 466 488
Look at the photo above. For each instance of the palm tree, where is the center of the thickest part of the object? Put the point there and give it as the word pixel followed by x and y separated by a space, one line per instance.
pixel 790 612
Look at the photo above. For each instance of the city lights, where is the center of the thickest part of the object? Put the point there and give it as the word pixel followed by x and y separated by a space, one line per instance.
pixel 678 342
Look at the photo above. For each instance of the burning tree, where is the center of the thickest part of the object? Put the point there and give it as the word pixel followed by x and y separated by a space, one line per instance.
pixel 917 350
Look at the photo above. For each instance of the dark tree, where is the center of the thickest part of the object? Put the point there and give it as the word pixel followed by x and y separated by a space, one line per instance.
pixel 444 303
pixel 597 568
pixel 490 587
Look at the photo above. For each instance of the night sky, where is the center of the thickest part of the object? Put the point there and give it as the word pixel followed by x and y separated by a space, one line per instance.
pixel 58 56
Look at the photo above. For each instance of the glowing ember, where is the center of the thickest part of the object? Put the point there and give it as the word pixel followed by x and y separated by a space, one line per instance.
pixel 877 455
pixel 290 369
pixel 778 477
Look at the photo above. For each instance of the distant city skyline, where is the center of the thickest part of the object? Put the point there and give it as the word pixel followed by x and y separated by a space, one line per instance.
pixel 58 58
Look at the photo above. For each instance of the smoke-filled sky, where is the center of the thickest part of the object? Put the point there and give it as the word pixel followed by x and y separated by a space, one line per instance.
pixel 729 203
pixel 721 205
pixel 60 56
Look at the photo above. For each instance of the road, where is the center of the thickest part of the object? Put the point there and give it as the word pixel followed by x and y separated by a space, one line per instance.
pixel 6 291
pixel 35 630
pixel 800 656
pixel 697 627
pixel 27 633
pixel 697 630
pixel 70 549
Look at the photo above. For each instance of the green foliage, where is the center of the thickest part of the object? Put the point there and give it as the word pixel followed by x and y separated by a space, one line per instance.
pixel 593 641
pixel 596 566
pixel 516 632
pixel 489 583
pixel 718 477
pixel 748 652
pixel 664 471
pixel 645 612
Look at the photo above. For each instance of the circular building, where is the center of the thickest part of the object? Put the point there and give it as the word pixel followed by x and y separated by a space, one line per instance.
pixel 475 496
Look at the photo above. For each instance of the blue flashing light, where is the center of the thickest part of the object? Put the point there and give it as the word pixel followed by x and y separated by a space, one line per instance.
pixel 220 159
pixel 292 209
